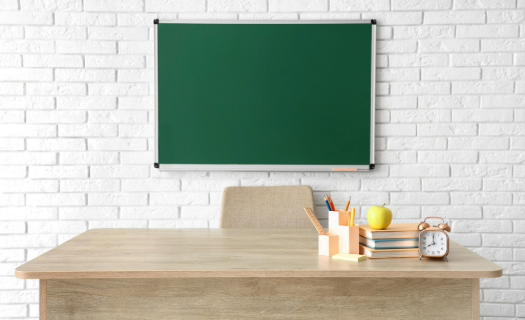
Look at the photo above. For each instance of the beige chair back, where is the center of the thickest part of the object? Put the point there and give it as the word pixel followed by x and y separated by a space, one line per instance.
pixel 266 207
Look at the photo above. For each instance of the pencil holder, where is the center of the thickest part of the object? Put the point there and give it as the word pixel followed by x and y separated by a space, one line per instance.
pixel 353 240
pixel 337 218
pixel 328 245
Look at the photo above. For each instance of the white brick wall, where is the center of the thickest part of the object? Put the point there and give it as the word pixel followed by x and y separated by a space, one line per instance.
pixel 76 128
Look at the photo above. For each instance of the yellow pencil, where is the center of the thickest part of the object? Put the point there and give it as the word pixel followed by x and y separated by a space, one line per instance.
pixel 352 217
pixel 348 204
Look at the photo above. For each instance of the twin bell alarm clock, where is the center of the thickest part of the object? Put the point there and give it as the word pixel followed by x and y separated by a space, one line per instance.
pixel 433 240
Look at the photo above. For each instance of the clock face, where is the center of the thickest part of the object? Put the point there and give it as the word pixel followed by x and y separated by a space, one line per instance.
pixel 433 244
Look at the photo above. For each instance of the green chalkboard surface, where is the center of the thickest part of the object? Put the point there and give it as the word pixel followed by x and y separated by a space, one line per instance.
pixel 264 94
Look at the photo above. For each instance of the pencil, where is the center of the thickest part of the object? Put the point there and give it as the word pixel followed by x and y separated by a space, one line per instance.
pixel 352 217
pixel 348 204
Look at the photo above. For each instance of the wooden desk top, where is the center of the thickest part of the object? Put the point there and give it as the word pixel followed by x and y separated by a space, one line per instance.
pixel 184 253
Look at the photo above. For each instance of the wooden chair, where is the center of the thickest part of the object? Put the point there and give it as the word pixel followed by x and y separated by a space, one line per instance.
pixel 266 207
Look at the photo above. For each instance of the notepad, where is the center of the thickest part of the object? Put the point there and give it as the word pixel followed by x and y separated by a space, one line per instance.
pixel 349 257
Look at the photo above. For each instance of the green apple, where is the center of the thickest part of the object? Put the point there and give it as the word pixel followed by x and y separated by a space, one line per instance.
pixel 379 218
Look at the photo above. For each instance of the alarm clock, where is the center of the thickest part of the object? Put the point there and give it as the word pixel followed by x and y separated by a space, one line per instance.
pixel 433 240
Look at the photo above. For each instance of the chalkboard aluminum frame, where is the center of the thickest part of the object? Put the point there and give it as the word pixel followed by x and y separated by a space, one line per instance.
pixel 270 167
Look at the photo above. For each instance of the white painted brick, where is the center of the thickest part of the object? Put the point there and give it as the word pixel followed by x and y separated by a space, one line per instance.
pixel 487 31
pixel 9 4
pixel 520 87
pixel 110 144
pixel 62 199
pixel 135 103
pixel 51 5
pixel 25 158
pixel 447 156
pixel 205 16
pixel 517 143
pixel 381 32
pixel 418 60
pixel 88 213
pixel 11 255
pixel 119 172
pixel 26 46
pixel 55 116
pixel 269 182
pixel 121 33
pixel 12 199
pixel 86 103
pixel 236 6
pixel 54 227
pixel 137 19
pixel 12 144
pixel 396 102
pixel 118 116
pixel 451 73
pixel 396 46
pixel 419 198
pixel 13 172
pixel 10 60
pixel 12 227
pixel 417 143
pixel 53 61
pixel 136 130
pixel 517 282
pixel 27 103
pixel 389 130
pixel 11 32
pixel 509 73
pixel 418 88
pixel 87 130
pixel 393 18
pixel 56 144
pixel 501 157
pixel 28 213
pixel 19 296
pixel 449 45
pixel 482 87
pixel 85 19
pixel 11 88
pixel 26 18
pixel 512 16
pixel 382 89
pixel 91 185
pixel 484 4
pixel 117 89
pixel 86 47
pixel 144 213
pixel 140 75
pixel 23 186
pixel 452 212
pixel 454 17
pixel 178 224
pixel 390 185
pixel 481 171
pixel 58 172
pixel 89 157
pixel 268 16
pixel 27 130
pixel 482 115
pixel 117 224
pixel 55 33
pixel 448 102
pixel 200 212
pixel 502 45
pixel 515 296
pixel 451 184
pixel 25 74
pixel 114 5
pixel 135 47
pixel 438 129
pixel 504 185
pixel 98 61
pixel 118 199
pixel 386 157
pixel 480 198
pixel 178 198
pixel 54 89
pixel 296 5
pixel 207 184
pixel 336 16
pixel 501 129
pixel 477 143
pixel 407 116
pixel 419 171
pixel 423 32
pixel 175 6
pixel 148 185
pixel 481 59
pixel 359 5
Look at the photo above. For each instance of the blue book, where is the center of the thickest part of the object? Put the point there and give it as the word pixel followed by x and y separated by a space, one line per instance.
pixel 390 243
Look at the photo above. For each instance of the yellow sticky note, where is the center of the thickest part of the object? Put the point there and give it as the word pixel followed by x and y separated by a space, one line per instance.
pixel 349 257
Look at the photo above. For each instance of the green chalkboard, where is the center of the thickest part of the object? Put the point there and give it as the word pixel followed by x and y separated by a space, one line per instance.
pixel 264 94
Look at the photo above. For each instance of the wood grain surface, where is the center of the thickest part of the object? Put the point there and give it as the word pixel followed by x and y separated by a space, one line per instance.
pixel 43 300
pixel 183 253
pixel 260 298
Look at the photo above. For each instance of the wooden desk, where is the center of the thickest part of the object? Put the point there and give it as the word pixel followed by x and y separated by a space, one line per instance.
pixel 245 274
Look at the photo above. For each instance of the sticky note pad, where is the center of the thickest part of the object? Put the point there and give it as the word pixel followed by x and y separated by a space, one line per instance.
pixel 349 257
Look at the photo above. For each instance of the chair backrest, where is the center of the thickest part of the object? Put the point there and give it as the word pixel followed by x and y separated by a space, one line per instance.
pixel 266 207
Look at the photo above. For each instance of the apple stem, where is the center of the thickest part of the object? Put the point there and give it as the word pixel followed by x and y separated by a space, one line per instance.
pixel 383 205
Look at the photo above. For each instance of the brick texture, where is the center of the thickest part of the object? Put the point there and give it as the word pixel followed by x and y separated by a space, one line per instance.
pixel 76 128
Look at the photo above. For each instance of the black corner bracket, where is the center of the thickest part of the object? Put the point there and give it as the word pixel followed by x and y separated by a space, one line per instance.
pixel 372 166
pixel 156 165
pixel 374 21
pixel 155 21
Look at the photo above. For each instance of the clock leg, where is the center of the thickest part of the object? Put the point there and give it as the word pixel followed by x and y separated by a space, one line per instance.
pixel 420 257
pixel 446 259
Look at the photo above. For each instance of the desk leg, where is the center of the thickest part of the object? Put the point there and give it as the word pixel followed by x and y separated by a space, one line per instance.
pixel 43 300
pixel 475 299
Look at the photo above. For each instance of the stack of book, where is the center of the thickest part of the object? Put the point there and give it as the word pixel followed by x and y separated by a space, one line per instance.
pixel 399 240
